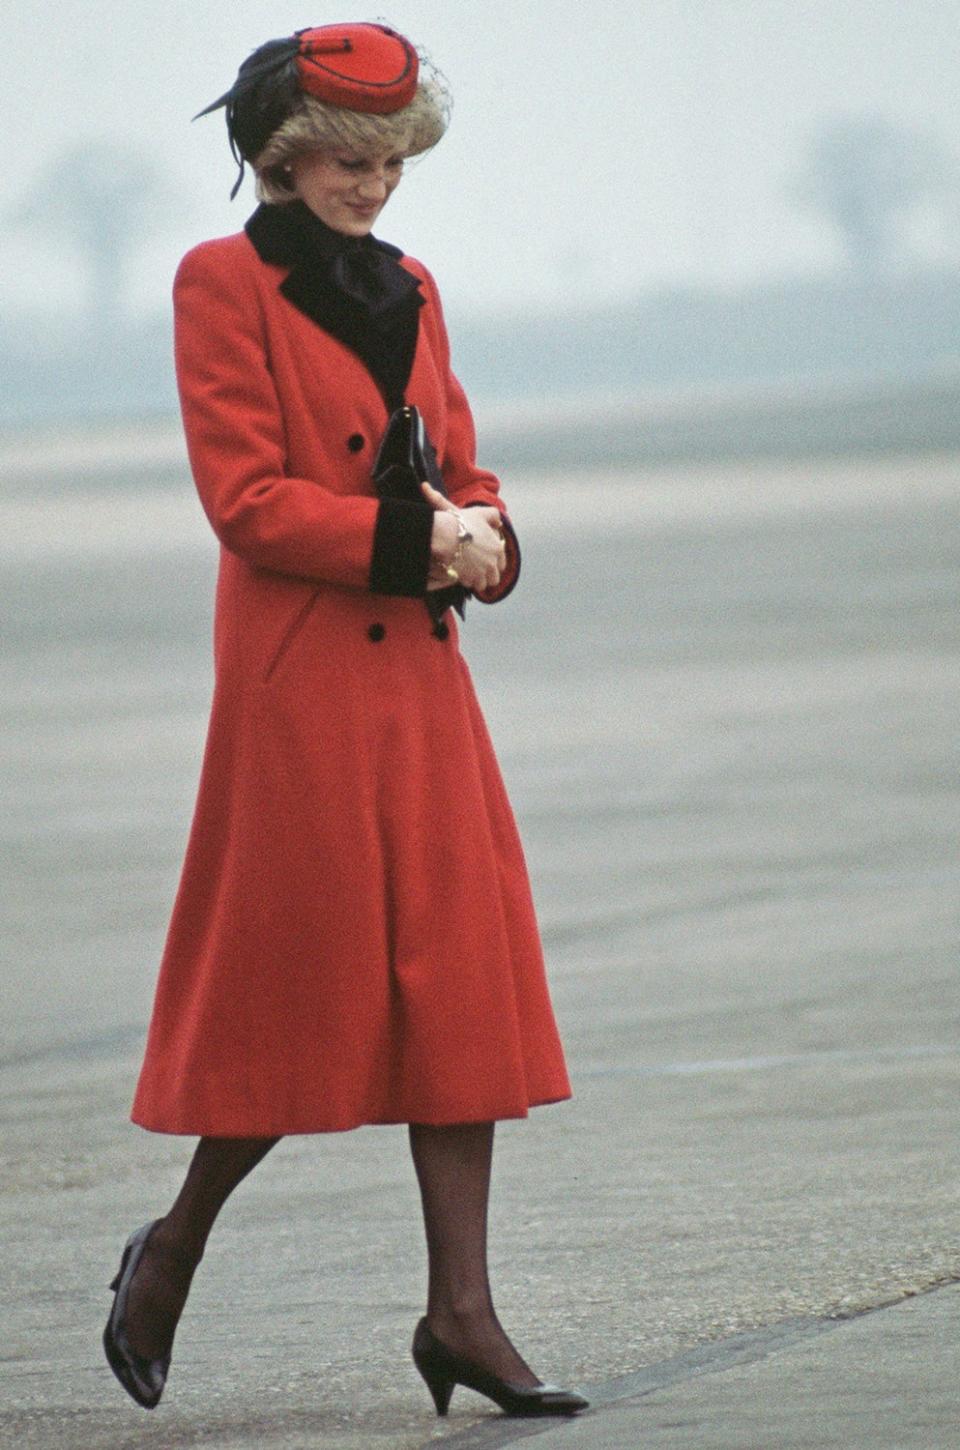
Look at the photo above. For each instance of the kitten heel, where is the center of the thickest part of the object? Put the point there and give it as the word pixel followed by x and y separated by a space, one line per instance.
pixel 442 1370
pixel 439 1385
pixel 143 1379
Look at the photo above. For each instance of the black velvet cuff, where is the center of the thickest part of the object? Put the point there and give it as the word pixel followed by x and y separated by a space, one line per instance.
pixel 400 561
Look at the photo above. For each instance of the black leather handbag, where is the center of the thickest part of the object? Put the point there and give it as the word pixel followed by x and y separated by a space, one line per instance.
pixel 401 464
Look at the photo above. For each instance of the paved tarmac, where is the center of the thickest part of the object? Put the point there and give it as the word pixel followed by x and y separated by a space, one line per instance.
pixel 886 1379
pixel 725 701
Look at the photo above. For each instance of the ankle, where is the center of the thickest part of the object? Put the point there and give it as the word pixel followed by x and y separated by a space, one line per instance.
pixel 464 1313
pixel 181 1254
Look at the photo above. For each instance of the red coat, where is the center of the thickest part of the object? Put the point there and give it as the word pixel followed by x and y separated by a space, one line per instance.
pixel 353 939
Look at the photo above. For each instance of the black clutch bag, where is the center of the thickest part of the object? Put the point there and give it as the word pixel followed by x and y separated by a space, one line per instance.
pixel 401 465
pixel 404 460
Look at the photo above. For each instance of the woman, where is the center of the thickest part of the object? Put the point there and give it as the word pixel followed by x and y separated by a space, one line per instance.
pixel 353 939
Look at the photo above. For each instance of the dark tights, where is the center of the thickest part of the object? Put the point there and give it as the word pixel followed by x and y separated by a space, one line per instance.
pixel 453 1170
pixel 161 1284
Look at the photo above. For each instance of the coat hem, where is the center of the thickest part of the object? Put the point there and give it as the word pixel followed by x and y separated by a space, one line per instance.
pixel 202 1129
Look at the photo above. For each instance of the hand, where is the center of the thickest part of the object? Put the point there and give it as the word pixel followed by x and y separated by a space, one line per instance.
pixel 481 561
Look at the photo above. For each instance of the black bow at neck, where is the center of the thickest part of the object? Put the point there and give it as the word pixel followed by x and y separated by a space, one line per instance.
pixel 353 287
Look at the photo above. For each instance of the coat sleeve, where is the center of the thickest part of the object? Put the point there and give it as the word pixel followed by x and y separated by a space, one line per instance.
pixel 234 429
pixel 467 484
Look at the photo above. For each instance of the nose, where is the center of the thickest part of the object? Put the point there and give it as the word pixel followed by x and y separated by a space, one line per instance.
pixel 375 184
pixel 373 188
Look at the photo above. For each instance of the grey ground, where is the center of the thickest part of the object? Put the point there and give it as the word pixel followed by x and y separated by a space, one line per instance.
pixel 725 701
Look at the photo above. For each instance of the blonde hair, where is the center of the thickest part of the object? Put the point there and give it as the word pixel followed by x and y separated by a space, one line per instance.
pixel 317 126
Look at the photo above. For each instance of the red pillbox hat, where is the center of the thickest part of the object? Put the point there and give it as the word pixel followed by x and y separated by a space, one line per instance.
pixel 362 67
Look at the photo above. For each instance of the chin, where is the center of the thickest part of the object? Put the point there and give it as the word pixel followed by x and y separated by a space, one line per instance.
pixel 345 221
pixel 359 224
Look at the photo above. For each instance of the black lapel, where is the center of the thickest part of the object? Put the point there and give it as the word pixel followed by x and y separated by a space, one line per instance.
pixel 283 236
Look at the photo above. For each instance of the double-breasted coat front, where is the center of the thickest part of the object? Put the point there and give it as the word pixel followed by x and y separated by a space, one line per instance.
pixel 353 939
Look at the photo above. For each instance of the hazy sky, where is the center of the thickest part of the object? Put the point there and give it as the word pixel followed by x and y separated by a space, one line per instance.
pixel 596 148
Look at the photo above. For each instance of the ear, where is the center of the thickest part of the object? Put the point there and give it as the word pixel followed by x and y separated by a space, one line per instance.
pixel 281 177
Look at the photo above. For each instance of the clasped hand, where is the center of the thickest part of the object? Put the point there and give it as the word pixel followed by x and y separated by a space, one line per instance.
pixel 478 562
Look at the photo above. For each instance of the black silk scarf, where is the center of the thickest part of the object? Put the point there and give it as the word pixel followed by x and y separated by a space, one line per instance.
pixel 353 287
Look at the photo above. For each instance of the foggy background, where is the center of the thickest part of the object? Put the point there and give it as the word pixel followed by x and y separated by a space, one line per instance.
pixel 631 197
pixel 701 263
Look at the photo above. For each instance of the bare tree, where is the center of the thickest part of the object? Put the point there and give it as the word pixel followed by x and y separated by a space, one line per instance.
pixel 866 175
pixel 93 197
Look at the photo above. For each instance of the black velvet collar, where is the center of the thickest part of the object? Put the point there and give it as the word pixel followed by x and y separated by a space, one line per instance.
pixel 352 287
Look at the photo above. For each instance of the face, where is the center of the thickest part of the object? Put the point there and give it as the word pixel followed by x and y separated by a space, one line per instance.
pixel 346 189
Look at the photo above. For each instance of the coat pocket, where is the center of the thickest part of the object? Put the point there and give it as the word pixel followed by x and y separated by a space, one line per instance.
pixel 290 634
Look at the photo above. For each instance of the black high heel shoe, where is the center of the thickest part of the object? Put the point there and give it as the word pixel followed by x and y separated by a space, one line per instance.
pixel 443 1370
pixel 143 1379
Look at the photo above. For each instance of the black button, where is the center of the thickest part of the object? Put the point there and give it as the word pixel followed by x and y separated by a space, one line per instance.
pixel 355 442
pixel 376 633
pixel 441 630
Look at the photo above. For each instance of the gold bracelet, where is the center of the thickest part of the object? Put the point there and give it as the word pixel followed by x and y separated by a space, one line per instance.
pixel 464 537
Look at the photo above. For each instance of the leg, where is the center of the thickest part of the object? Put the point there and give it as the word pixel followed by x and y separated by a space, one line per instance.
pixel 453 1169
pixel 160 1286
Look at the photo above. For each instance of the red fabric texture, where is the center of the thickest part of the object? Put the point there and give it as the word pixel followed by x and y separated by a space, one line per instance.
pixel 353 938
pixel 362 67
